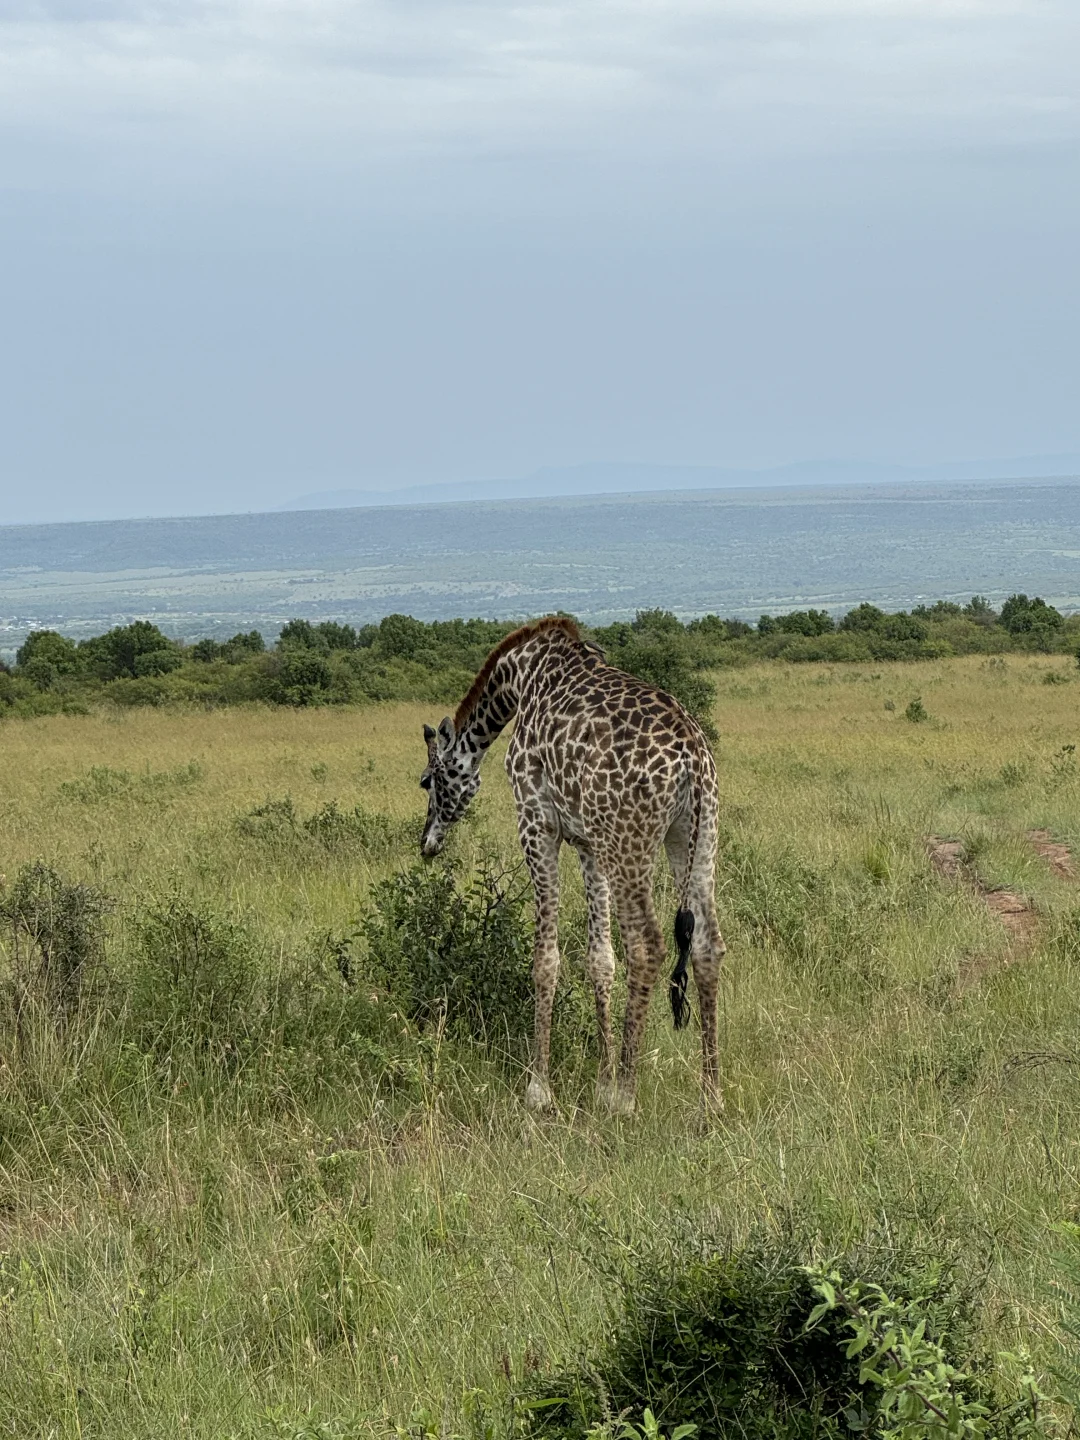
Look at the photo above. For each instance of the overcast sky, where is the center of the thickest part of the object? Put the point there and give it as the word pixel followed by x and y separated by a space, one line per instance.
pixel 265 247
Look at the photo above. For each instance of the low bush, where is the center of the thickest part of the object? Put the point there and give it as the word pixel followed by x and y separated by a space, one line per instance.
pixel 56 934
pixel 461 955
pixel 737 1343
pixel 193 982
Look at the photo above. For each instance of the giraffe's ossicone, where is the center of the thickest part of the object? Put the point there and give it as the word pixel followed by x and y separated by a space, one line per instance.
pixel 615 768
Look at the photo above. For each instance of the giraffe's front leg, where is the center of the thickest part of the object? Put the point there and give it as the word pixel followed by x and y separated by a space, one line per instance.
pixel 600 963
pixel 541 849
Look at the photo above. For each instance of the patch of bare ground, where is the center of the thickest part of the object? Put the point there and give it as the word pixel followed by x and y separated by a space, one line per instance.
pixel 951 860
pixel 1056 855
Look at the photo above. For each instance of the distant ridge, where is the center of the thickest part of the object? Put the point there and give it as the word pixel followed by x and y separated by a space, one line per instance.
pixel 616 478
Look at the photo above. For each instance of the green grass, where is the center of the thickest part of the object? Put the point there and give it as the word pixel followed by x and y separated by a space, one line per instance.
pixel 223 1242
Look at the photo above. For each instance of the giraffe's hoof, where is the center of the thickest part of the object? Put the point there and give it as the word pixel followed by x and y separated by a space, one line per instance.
pixel 538 1095
pixel 712 1104
pixel 614 1099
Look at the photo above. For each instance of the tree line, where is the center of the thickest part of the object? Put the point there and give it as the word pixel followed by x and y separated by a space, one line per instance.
pixel 402 658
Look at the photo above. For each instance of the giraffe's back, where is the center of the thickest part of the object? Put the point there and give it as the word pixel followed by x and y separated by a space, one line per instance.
pixel 613 754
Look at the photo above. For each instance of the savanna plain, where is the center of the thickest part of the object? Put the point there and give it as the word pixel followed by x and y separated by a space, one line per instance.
pixel 245 1190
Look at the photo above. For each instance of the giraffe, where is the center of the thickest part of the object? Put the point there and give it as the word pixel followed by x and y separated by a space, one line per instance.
pixel 615 768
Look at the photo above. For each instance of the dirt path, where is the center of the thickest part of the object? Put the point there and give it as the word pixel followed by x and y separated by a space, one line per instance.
pixel 1015 911
pixel 1053 852
pixel 950 859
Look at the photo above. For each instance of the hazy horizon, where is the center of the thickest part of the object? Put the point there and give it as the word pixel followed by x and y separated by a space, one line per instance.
pixel 612 480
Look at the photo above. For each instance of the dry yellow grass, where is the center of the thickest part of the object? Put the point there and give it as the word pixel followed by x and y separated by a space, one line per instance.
pixel 178 1263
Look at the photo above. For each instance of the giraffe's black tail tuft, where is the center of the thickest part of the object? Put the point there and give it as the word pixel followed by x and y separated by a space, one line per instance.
pixel 684 934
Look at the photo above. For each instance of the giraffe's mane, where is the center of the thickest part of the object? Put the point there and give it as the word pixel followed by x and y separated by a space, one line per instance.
pixel 464 711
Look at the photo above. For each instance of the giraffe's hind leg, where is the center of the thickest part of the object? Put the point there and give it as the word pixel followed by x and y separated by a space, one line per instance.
pixel 708 948
pixel 708 954
pixel 600 963
pixel 645 951
pixel 541 847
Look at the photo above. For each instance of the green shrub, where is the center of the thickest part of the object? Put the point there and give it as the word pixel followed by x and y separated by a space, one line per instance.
pixel 101 782
pixel 158 662
pixel 798 622
pixel 910 1387
pixel 147 690
pixel 719 1339
pixel 193 983
pixel 113 656
pixel 56 930
pixel 1021 616
pixel 916 711
pixel 863 617
pixel 361 829
pixel 40 672
pixel 303 678
pixel 462 955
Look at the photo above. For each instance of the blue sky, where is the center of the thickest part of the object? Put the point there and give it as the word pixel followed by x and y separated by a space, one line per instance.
pixel 260 248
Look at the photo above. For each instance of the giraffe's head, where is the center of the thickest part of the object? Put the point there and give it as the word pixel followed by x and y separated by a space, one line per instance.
pixel 451 777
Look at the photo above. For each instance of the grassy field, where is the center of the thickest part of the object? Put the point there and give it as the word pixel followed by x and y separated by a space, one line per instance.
pixel 327 1230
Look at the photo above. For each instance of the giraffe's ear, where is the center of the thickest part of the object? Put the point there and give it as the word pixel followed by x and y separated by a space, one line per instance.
pixel 446 732
pixel 429 734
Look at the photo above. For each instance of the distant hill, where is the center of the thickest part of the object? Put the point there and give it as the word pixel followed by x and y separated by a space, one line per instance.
pixel 614 478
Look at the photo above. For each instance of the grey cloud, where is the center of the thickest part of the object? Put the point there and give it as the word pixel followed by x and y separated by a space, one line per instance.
pixel 744 76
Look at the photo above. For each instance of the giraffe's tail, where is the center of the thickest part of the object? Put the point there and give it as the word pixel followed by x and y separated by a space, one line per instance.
pixel 684 916
pixel 684 934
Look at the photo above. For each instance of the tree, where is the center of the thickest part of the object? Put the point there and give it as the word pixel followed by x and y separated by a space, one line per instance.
pixel 980 610
pixel 50 648
pixel 300 635
pixel 403 636
pixel 115 654
pixel 863 617
pixel 305 677
pixel 337 637
pixel 805 622
pixel 1021 616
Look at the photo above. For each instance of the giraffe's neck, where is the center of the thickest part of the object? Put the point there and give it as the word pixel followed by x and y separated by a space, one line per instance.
pixel 494 709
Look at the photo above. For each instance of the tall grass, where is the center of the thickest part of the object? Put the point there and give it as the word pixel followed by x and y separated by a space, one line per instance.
pixel 329 1216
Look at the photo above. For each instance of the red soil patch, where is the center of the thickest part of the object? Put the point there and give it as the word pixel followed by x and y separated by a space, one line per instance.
pixel 1055 854
pixel 950 859
pixel 1013 911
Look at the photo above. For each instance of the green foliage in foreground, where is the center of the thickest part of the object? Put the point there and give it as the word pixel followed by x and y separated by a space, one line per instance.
pixel 753 1342
pixel 402 658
